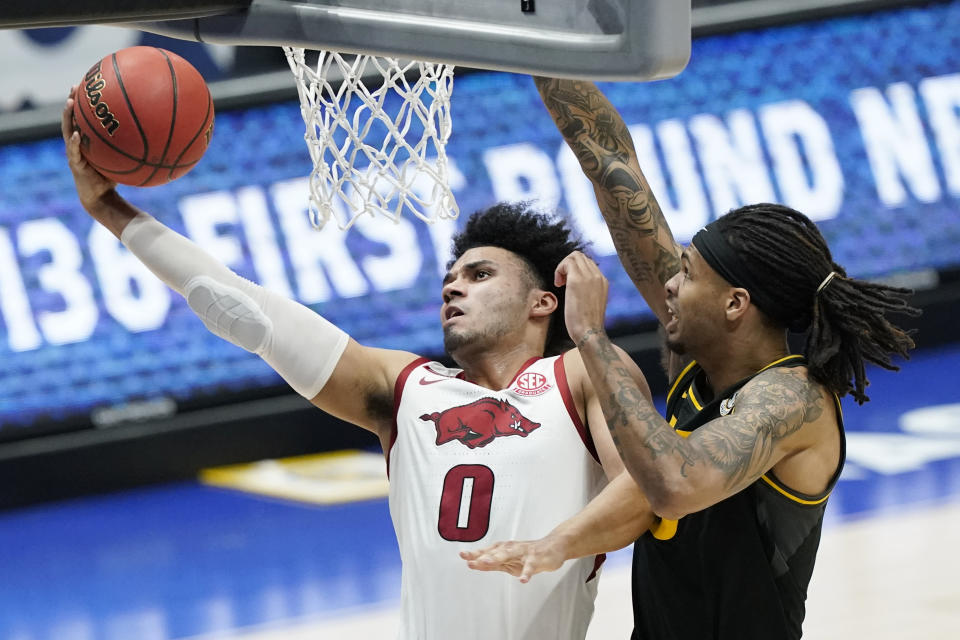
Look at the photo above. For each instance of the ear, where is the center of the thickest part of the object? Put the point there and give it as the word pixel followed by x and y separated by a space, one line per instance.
pixel 738 301
pixel 544 303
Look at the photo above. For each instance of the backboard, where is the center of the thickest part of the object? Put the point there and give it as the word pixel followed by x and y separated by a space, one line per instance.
pixel 596 39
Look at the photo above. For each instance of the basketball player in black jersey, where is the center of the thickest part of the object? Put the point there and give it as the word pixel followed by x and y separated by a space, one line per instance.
pixel 740 470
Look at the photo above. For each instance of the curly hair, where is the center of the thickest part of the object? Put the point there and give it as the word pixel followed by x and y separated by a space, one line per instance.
pixel 541 241
pixel 846 320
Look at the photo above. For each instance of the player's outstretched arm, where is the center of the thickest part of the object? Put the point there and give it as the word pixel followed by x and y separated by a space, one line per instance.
pixel 611 521
pixel 599 138
pixel 317 359
pixel 778 414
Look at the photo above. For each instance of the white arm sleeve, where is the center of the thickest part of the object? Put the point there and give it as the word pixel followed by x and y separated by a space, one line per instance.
pixel 299 344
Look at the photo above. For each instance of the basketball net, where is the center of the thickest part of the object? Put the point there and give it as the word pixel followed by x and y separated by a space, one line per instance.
pixel 367 161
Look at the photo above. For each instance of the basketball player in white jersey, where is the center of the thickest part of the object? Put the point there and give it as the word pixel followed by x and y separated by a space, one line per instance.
pixel 501 448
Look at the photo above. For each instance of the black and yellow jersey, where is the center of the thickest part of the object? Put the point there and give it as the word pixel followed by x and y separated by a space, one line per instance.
pixel 737 570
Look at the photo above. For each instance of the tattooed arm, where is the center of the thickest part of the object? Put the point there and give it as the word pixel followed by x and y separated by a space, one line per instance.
pixel 720 458
pixel 612 520
pixel 599 138
pixel 777 414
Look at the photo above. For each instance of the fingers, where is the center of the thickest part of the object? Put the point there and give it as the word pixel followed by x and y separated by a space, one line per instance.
pixel 503 556
pixel 578 266
pixel 529 569
pixel 586 294
pixel 521 560
pixel 575 264
pixel 560 275
pixel 586 264
pixel 489 559
pixel 71 136
pixel 91 185
pixel 66 120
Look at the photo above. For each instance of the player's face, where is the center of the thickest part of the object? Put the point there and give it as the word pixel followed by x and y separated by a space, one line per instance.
pixel 485 298
pixel 695 298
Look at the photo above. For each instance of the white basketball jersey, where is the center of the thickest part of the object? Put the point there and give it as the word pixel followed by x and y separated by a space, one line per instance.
pixel 469 467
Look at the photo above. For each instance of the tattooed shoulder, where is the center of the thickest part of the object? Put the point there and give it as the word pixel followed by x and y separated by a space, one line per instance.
pixel 786 395
pixel 771 407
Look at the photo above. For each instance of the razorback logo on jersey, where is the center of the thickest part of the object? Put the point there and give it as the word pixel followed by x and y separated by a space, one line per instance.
pixel 478 423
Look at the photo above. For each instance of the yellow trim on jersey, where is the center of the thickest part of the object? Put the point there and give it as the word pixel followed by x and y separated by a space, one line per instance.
pixel 679 378
pixel 783 359
pixel 781 490
pixel 790 495
pixel 693 398
pixel 663 529
pixel 692 363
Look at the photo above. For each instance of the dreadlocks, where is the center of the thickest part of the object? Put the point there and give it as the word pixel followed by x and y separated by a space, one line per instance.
pixel 540 241
pixel 846 317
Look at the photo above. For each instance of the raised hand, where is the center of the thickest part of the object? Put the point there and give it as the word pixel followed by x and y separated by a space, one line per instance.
pixel 586 294
pixel 97 194
pixel 601 140
pixel 91 186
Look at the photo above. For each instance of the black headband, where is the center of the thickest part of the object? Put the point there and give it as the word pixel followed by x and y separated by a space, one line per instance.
pixel 723 259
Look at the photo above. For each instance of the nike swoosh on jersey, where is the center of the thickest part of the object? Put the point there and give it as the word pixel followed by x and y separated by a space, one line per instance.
pixel 424 381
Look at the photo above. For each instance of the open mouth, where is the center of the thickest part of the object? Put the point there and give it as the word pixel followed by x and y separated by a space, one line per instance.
pixel 452 312
pixel 671 318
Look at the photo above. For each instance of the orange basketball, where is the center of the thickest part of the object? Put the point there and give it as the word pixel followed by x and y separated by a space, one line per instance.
pixel 145 116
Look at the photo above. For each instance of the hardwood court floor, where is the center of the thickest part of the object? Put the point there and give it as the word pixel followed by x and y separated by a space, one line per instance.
pixel 890 577
pixel 884 578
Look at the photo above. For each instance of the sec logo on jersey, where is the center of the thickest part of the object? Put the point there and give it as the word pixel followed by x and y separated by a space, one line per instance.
pixel 531 384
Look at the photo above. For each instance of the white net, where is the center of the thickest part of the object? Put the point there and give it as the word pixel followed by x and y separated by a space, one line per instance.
pixel 377 150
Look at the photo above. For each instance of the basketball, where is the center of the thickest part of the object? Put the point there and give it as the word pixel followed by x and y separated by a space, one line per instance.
pixel 145 116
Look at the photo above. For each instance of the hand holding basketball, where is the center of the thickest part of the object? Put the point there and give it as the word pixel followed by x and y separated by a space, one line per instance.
pixel 145 116
pixel 91 185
